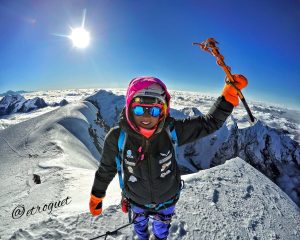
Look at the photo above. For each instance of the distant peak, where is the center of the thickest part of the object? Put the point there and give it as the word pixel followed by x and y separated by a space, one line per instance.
pixel 10 92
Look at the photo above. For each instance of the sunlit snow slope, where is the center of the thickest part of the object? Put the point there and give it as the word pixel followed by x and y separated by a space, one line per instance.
pixel 231 201
pixel 63 147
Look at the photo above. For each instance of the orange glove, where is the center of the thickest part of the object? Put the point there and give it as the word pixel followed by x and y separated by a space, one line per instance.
pixel 230 93
pixel 95 205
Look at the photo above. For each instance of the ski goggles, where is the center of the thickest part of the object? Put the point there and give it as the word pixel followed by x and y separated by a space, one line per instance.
pixel 152 109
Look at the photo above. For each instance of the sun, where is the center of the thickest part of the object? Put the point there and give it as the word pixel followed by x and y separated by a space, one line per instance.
pixel 80 37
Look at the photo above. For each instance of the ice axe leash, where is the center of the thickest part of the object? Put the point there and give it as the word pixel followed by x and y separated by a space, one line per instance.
pixel 209 46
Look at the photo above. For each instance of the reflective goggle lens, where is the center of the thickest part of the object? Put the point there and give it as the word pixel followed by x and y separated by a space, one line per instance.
pixel 140 111
pixel 155 111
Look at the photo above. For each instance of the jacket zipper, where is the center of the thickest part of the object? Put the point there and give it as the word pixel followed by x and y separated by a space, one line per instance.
pixel 149 169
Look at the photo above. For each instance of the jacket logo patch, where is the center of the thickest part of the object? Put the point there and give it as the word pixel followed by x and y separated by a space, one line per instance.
pixel 165 174
pixel 165 166
pixel 165 154
pixel 132 179
pixel 129 163
pixel 130 169
pixel 161 161
pixel 129 154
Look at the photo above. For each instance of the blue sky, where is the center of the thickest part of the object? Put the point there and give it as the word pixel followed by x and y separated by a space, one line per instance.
pixel 259 39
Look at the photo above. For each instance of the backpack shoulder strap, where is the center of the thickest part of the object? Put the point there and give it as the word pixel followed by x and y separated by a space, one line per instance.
pixel 173 136
pixel 119 157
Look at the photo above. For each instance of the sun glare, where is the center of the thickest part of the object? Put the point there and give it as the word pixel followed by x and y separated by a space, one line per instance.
pixel 80 37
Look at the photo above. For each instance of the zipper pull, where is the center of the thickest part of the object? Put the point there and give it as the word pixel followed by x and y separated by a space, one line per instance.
pixel 141 155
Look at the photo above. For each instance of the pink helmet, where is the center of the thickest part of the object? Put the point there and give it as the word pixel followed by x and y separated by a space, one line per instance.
pixel 149 87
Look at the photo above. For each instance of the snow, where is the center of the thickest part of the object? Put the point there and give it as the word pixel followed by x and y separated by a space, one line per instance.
pixel 44 146
pixel 235 201
pixel 232 201
pixel 63 146
pixel 11 103
pixel 109 104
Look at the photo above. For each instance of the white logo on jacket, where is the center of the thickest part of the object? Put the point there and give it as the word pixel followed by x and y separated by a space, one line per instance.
pixel 130 169
pixel 165 166
pixel 129 154
pixel 132 179
pixel 165 174
pixel 168 157
pixel 129 163
pixel 165 154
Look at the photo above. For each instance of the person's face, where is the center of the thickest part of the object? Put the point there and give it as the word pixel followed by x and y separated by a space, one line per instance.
pixel 146 120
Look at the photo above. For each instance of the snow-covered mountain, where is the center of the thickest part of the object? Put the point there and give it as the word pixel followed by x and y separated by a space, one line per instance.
pixel 17 103
pixel 229 201
pixel 11 103
pixel 267 149
pixel 61 103
pixel 10 92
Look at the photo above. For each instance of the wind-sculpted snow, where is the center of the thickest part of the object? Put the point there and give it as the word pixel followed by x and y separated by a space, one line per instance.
pixel 54 146
pixel 232 201
pixel 228 201
pixel 273 153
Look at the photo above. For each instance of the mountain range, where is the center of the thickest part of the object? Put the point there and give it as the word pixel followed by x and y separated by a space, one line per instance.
pixel 16 103
pixel 241 182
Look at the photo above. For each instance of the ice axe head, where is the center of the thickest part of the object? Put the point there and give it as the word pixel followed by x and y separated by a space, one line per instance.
pixel 208 45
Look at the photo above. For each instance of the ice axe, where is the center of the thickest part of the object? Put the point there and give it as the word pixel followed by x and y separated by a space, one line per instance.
pixel 209 45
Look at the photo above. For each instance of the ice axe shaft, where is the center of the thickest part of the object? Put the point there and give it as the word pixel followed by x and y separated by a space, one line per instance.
pixel 209 45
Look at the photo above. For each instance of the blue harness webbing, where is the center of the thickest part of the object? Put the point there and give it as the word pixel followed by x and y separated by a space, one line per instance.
pixel 119 156
pixel 173 136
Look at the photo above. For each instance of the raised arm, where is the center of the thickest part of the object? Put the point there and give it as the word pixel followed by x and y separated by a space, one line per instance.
pixel 190 129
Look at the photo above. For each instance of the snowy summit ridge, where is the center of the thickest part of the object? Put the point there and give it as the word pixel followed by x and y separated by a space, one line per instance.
pixel 232 201
pixel 227 201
